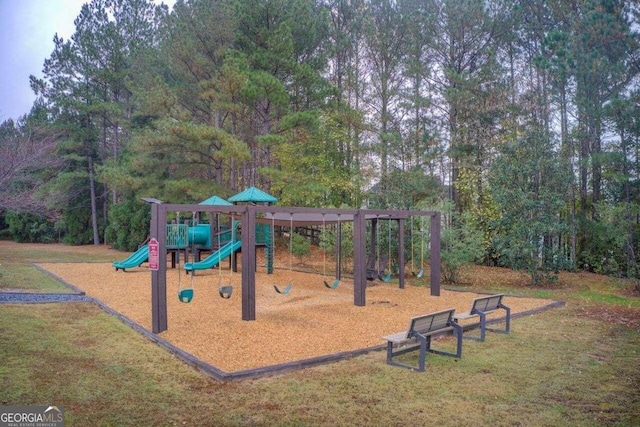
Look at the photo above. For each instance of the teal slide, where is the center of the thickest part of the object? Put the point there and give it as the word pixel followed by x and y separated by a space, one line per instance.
pixel 213 259
pixel 134 260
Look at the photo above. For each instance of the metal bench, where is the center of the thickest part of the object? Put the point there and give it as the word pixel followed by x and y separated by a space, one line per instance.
pixel 481 307
pixel 418 336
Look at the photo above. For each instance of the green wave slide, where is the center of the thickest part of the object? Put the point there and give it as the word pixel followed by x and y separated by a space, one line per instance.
pixel 213 259
pixel 134 260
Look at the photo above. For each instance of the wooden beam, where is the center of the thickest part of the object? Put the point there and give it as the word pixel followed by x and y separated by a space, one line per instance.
pixel 359 261
pixel 435 254
pixel 401 252
pixel 339 251
pixel 249 264
pixel 159 277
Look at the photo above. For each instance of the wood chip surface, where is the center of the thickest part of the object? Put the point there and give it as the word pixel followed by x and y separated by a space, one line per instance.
pixel 312 320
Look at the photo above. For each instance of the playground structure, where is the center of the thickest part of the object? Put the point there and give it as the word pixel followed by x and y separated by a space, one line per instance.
pixel 136 259
pixel 179 238
pixel 222 242
pixel 250 217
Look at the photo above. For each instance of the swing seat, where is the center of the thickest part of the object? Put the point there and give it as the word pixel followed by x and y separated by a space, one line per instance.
pixel 385 278
pixel 372 274
pixel 225 291
pixel 283 291
pixel 420 273
pixel 185 295
pixel 333 285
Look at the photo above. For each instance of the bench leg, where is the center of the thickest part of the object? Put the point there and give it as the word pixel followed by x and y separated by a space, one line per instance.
pixel 507 319
pixel 389 352
pixel 507 322
pixel 422 346
pixel 457 332
pixel 483 325
pixel 425 344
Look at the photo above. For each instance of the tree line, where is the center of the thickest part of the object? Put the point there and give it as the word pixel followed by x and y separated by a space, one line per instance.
pixel 518 119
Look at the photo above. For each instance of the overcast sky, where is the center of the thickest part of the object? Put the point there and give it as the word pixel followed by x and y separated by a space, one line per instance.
pixel 27 28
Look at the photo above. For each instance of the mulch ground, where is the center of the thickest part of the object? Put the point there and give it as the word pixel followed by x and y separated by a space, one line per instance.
pixel 310 321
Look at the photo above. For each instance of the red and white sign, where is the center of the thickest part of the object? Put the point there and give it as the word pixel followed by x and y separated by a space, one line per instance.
pixel 154 254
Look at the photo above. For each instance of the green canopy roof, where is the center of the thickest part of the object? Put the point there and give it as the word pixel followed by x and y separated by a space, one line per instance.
pixel 215 201
pixel 252 194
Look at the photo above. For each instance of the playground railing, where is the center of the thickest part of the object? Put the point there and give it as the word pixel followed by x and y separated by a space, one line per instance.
pixel 177 236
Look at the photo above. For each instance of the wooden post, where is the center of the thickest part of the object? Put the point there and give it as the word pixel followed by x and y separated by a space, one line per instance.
pixel 435 254
pixel 372 258
pixel 159 277
pixel 359 260
pixel 249 263
pixel 401 252
pixel 339 250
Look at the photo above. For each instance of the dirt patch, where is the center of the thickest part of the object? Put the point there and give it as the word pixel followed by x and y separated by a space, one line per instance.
pixel 612 314
pixel 310 321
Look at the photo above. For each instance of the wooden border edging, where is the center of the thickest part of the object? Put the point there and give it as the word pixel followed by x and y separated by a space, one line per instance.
pixel 221 375
pixel 74 288
pixel 281 368
pixel 264 371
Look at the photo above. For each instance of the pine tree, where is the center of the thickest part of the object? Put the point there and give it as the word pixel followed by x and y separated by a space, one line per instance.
pixel 527 186
pixel 84 87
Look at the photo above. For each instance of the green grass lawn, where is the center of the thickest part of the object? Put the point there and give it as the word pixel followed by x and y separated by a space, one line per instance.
pixel 17 270
pixel 567 366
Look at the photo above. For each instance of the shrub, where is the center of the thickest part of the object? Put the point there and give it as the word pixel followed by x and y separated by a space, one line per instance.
pixel 29 228
pixel 128 225
pixel 300 246
pixel 462 244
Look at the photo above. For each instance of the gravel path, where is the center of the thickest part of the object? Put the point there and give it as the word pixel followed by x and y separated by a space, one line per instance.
pixel 36 297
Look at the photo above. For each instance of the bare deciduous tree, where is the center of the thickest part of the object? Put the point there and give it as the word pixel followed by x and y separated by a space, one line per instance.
pixel 27 161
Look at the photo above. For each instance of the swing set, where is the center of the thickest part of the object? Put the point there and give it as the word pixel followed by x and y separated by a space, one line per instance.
pixel 379 264
pixel 420 272
pixel 186 294
pixel 226 290
pixel 387 276
pixel 287 288
pixel 336 282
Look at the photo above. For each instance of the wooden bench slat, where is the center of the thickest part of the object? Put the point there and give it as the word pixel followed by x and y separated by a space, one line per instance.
pixel 397 337
pixel 483 306
pixel 431 322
